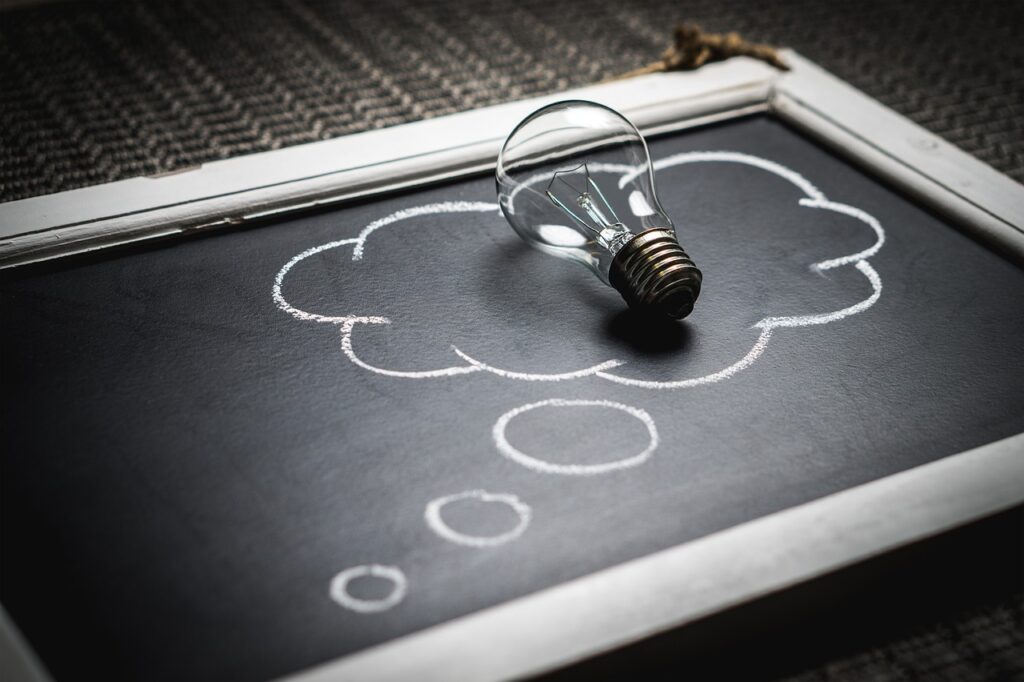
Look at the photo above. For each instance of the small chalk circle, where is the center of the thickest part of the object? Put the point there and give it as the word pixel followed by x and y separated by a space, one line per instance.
pixel 341 595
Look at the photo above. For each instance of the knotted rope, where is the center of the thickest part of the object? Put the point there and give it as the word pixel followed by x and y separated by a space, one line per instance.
pixel 694 48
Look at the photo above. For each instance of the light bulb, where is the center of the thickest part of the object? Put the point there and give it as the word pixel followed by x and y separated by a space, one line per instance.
pixel 576 182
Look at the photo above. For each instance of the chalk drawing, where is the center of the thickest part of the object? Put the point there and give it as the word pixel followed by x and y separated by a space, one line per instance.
pixel 340 593
pixel 358 244
pixel 813 198
pixel 433 517
pixel 543 466
pixel 346 348
pixel 766 325
pixel 405 214
pixel 596 369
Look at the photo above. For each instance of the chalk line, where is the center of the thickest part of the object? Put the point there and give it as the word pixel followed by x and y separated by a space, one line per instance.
pixel 824 318
pixel 287 307
pixel 853 212
pixel 339 588
pixel 524 376
pixel 347 322
pixel 545 467
pixel 432 515
pixel 814 198
pixel 427 209
pixel 805 185
pixel 346 348
pixel 766 325
pixel 357 251
pixel 746 361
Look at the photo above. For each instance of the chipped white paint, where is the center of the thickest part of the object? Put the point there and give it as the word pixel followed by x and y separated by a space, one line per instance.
pixel 813 198
pixel 340 593
pixel 543 466
pixel 432 515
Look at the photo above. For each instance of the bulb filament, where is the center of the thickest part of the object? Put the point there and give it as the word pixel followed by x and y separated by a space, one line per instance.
pixel 609 232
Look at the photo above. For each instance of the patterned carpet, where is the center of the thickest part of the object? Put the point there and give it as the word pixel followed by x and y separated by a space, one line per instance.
pixel 95 91
pixel 99 91
pixel 983 643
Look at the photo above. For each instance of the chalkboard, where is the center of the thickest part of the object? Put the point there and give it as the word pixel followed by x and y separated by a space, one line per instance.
pixel 238 456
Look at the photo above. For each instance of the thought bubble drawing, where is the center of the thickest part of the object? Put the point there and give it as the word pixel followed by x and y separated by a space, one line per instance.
pixel 351 251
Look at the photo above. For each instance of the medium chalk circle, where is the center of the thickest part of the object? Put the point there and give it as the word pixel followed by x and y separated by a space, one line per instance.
pixel 340 594
pixel 432 515
pixel 543 466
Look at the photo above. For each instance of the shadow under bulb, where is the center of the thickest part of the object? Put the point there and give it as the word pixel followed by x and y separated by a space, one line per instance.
pixel 576 182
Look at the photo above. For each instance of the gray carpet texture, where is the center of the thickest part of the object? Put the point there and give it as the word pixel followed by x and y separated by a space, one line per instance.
pixel 980 644
pixel 95 91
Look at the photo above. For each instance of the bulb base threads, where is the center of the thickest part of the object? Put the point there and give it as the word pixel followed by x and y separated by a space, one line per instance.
pixel 654 274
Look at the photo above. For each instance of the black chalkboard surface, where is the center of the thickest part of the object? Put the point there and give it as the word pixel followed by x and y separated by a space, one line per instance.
pixel 200 437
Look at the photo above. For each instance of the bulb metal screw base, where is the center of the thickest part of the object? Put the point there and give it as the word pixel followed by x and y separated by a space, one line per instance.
pixel 654 274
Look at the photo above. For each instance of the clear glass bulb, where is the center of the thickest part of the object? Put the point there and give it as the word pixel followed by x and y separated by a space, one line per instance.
pixel 576 182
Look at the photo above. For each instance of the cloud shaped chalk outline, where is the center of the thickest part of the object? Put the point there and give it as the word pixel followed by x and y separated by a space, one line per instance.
pixel 813 198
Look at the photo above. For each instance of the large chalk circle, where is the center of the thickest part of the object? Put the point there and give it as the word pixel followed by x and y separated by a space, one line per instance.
pixel 536 461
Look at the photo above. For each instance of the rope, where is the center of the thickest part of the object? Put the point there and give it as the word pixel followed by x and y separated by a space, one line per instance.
pixel 693 48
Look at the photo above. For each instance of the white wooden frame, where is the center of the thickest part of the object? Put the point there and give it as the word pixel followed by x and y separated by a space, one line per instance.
pixel 624 603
